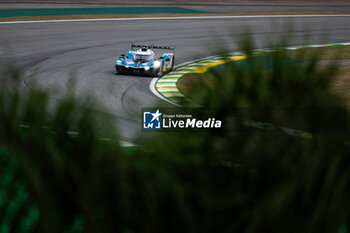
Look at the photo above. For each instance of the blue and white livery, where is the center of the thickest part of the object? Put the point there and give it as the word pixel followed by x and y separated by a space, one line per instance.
pixel 145 62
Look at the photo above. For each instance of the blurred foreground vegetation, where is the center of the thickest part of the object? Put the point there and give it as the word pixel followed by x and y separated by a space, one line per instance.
pixel 62 168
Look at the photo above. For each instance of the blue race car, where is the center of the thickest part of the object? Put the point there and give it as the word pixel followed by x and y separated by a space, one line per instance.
pixel 145 62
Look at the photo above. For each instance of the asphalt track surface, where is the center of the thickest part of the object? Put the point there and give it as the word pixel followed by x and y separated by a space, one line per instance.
pixel 51 53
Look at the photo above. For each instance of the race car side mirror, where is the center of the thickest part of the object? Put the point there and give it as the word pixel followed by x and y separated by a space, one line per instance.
pixel 161 57
pixel 122 55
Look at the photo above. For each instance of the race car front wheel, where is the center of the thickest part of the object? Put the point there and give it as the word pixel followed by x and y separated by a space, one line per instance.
pixel 160 73
pixel 172 63
pixel 161 70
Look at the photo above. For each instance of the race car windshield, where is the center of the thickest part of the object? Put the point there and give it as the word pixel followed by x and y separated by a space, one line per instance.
pixel 143 57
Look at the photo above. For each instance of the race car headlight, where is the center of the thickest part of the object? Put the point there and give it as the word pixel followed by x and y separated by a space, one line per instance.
pixel 147 68
pixel 156 64
pixel 119 62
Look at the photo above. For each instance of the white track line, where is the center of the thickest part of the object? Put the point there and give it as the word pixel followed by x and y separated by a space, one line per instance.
pixel 174 18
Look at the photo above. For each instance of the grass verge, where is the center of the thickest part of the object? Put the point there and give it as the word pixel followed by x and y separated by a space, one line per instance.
pixel 188 83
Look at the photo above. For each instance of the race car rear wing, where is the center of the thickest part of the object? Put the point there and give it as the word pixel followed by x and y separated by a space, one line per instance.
pixel 152 46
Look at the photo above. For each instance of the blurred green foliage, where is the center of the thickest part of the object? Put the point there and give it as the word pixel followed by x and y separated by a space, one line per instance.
pixel 62 169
